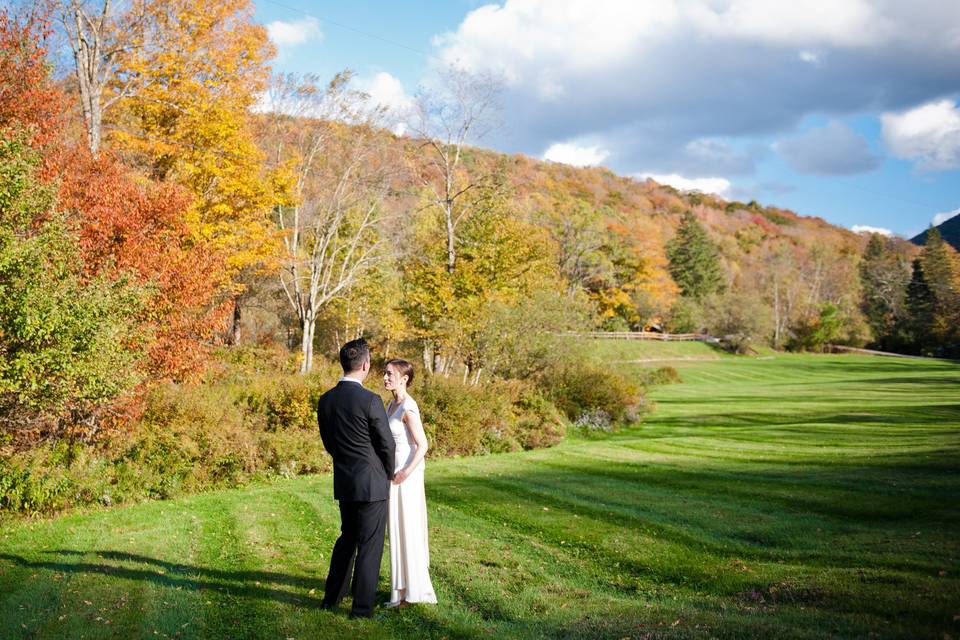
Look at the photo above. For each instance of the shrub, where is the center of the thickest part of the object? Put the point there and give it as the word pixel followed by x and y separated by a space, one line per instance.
pixel 663 375
pixel 815 332
pixel 29 491
pixel 593 420
pixel 738 343
pixel 584 387
pixel 462 419
pixel 243 424
pixel 539 423
pixel 285 402
pixel 69 342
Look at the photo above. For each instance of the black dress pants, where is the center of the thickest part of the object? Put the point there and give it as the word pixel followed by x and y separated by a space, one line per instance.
pixel 360 549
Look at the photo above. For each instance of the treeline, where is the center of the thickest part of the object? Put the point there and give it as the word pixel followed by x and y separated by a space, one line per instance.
pixel 912 302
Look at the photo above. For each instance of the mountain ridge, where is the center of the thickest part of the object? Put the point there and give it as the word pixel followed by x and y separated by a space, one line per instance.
pixel 949 229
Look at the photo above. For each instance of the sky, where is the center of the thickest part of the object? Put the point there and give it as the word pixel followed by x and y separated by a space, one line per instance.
pixel 844 109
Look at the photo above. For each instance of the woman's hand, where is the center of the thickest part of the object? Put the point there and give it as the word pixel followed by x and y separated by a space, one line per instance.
pixel 400 476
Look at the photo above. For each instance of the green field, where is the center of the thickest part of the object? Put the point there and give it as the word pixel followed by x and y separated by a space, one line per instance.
pixel 783 496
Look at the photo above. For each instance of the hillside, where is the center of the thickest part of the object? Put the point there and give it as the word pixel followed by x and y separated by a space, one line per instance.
pixel 949 229
pixel 780 267
pixel 796 496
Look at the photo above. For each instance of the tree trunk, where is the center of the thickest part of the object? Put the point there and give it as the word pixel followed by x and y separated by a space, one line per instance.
pixel 306 344
pixel 427 358
pixel 451 240
pixel 234 337
pixel 86 45
pixel 476 376
pixel 776 315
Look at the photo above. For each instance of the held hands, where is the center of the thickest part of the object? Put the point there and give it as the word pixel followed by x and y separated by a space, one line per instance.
pixel 400 476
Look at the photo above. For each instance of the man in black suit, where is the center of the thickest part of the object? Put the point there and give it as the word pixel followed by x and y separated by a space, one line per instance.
pixel 354 429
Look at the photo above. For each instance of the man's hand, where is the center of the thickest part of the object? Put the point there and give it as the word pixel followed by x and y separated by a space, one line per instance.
pixel 400 476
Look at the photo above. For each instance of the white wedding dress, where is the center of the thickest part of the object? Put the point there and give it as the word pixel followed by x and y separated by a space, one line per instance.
pixel 409 552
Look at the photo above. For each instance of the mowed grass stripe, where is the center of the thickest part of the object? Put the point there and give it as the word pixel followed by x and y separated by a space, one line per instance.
pixel 236 606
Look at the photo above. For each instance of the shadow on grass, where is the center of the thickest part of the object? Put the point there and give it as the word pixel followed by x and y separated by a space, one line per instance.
pixel 246 584
pixel 425 622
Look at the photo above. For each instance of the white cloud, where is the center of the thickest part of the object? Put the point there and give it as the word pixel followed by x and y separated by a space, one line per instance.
pixel 718 186
pixel 811 57
pixel 645 78
pixel 386 91
pixel 576 155
pixel 865 228
pixel 940 218
pixel 929 134
pixel 831 150
pixel 851 23
pixel 288 34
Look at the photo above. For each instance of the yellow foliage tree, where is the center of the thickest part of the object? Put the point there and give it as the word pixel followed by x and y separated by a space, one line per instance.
pixel 200 68
pixel 501 259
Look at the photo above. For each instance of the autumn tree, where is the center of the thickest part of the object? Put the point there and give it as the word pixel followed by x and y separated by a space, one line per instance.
pixel 102 35
pixel 694 260
pixel 28 99
pixel 502 259
pixel 940 272
pixel 339 168
pixel 456 111
pixel 581 235
pixel 884 274
pixel 134 229
pixel 69 343
pixel 200 71
pixel 122 228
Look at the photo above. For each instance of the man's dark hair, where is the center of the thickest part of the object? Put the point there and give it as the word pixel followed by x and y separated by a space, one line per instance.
pixel 354 354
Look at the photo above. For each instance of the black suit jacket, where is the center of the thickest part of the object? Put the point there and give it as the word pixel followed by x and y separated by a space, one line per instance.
pixel 353 426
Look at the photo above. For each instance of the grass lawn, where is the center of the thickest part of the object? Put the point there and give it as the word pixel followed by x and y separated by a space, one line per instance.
pixel 786 497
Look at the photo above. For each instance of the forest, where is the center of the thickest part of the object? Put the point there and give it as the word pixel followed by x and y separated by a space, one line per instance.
pixel 186 238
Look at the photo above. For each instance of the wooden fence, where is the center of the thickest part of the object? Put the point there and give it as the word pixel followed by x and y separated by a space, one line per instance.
pixel 643 335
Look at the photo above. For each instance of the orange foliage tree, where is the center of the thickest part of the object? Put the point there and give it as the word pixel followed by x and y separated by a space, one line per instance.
pixel 27 97
pixel 134 229
pixel 126 227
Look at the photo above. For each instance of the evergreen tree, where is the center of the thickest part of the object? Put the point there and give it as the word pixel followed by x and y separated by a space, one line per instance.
pixel 920 305
pixel 940 272
pixel 694 260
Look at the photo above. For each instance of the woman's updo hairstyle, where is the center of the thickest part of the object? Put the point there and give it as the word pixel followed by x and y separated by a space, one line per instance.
pixel 404 368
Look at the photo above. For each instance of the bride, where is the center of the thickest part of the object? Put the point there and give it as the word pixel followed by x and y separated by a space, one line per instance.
pixel 409 552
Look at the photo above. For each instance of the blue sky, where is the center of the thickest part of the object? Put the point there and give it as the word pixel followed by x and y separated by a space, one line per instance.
pixel 845 109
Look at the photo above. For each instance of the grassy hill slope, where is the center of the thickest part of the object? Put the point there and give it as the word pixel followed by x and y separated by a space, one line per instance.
pixel 793 496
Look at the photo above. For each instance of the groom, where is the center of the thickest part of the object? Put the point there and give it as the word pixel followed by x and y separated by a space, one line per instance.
pixel 354 429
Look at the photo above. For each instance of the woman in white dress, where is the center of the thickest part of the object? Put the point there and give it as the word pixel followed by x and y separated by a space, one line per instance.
pixel 409 551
